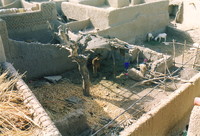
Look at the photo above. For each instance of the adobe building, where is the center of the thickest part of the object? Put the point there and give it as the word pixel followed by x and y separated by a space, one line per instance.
pixel 128 21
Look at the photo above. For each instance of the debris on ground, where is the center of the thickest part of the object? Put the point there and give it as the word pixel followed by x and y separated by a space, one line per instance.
pixel 53 79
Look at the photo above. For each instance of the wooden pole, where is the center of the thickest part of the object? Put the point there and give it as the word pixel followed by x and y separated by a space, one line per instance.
pixel 165 74
pixel 174 50
pixel 170 73
pixel 114 64
pixel 183 53
pixel 138 55
pixel 196 56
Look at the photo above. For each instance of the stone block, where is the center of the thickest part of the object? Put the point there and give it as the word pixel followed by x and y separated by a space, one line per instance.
pixel 118 3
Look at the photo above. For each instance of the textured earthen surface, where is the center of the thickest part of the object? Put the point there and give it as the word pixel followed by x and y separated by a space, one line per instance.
pixel 169 114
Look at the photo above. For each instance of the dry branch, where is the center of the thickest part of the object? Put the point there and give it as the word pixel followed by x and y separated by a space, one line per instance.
pixel 158 79
pixel 78 53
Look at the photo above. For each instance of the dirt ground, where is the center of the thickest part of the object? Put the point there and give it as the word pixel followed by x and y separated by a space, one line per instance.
pixel 109 99
pixel 112 96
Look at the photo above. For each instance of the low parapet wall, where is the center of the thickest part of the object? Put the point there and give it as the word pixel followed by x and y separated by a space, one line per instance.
pixel 40 117
pixel 165 118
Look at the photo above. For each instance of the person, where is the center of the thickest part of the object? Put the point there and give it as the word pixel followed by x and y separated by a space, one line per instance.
pixel 126 65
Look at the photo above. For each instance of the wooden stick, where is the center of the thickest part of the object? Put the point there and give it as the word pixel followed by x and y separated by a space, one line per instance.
pixel 156 74
pixel 183 52
pixel 178 43
pixel 153 80
pixel 174 49
pixel 138 54
pixel 146 81
pixel 114 67
pixel 196 55
pixel 165 74
pixel 171 75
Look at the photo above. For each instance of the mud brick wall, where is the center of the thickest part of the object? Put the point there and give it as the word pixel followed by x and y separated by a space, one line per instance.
pixel 4 35
pixel 130 24
pixel 37 59
pixel 31 25
pixel 2 53
pixel 28 20
pixel 5 4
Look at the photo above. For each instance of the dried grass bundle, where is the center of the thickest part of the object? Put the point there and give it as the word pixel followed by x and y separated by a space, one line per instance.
pixel 15 119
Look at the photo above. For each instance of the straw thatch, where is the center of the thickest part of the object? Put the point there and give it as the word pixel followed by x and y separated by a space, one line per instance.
pixel 15 119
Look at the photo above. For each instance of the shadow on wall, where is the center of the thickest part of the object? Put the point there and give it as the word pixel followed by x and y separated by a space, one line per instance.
pixel 37 59
pixel 41 36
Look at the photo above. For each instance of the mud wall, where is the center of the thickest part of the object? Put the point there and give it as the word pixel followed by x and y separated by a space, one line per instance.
pixel 2 54
pixel 38 59
pixel 6 2
pixel 168 116
pixel 4 35
pixel 90 2
pixel 31 25
pixel 191 12
pixel 128 23
pixel 83 12
pixel 144 18
pixel 34 58
pixel 78 25
pixel 26 4
pixel 10 4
